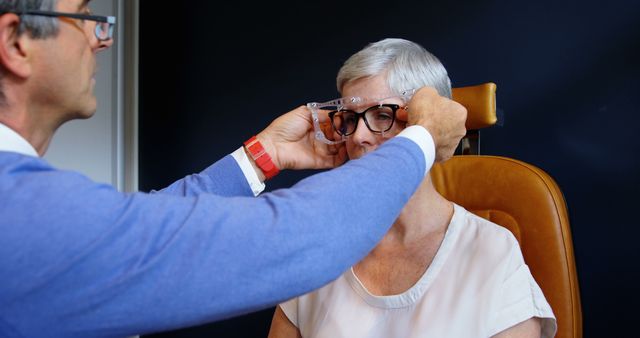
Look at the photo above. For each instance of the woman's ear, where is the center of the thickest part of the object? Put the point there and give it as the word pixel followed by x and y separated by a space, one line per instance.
pixel 14 47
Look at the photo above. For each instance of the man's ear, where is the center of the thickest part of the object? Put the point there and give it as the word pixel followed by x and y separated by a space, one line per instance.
pixel 14 48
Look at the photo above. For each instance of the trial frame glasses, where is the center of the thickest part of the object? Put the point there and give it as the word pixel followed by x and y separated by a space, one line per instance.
pixel 338 104
pixel 104 24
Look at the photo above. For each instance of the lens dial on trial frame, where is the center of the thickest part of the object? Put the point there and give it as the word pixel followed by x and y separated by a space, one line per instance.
pixel 378 119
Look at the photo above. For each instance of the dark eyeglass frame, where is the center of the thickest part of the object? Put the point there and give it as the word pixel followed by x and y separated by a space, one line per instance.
pixel 394 108
pixel 110 20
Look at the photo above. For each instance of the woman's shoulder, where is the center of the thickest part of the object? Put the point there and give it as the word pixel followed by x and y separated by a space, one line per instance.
pixel 480 233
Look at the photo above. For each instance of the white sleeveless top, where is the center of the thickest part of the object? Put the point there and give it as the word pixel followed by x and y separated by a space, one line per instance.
pixel 477 286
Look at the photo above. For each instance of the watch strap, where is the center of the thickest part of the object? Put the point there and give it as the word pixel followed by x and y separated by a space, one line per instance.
pixel 261 158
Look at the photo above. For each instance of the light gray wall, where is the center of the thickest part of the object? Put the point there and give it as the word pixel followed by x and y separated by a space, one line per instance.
pixel 104 147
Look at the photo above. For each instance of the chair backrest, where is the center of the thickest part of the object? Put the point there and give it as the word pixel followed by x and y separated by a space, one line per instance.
pixel 525 200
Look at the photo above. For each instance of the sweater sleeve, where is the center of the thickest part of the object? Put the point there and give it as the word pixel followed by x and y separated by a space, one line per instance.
pixel 224 178
pixel 81 259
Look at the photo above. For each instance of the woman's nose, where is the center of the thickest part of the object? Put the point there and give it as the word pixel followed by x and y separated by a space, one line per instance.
pixel 362 134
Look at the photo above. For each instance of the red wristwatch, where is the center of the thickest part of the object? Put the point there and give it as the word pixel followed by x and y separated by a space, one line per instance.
pixel 262 159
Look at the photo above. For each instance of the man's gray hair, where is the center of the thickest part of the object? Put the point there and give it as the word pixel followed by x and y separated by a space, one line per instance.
pixel 39 27
pixel 407 66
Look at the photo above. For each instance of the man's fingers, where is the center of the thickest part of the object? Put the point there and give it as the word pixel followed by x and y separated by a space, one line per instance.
pixel 330 156
pixel 402 114
pixel 422 105
pixel 442 117
pixel 323 116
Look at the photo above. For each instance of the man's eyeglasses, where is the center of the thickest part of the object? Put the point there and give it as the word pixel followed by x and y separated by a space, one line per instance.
pixel 104 24
pixel 379 119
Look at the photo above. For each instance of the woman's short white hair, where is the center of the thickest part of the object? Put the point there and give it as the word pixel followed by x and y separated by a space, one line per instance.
pixel 407 66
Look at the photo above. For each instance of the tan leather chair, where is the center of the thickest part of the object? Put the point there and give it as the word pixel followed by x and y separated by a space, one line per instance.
pixel 522 198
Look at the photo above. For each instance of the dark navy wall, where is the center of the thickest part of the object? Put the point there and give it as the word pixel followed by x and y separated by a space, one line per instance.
pixel 567 72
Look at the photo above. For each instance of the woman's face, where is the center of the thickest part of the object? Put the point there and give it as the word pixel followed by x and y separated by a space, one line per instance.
pixel 363 140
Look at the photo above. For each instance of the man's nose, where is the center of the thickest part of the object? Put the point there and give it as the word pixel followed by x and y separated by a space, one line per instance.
pixel 103 45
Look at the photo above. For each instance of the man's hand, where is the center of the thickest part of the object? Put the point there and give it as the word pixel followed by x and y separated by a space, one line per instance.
pixel 291 143
pixel 442 117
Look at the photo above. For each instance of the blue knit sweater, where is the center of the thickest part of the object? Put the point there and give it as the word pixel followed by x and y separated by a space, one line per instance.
pixel 80 259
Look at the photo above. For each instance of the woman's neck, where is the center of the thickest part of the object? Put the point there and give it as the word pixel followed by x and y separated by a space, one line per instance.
pixel 427 214
pixel 407 250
